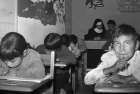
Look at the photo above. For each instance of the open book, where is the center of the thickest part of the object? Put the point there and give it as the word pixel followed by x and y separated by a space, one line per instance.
pixel 48 76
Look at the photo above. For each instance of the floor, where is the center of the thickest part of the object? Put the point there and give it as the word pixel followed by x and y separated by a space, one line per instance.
pixel 85 90
pixel 82 90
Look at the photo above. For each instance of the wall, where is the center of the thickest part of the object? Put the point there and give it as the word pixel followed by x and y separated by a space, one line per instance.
pixel 38 21
pixel 83 17
pixel 35 32
pixel 7 17
pixel 31 29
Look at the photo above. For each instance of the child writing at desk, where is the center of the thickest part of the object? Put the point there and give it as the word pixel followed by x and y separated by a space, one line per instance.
pixel 18 60
pixel 53 41
pixel 122 63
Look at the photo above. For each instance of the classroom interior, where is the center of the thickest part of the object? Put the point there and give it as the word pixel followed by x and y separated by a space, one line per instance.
pixel 71 17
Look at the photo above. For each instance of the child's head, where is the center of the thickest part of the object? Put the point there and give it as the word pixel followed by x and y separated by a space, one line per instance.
pixel 12 48
pixel 73 40
pixel 53 41
pixel 125 42
pixel 73 46
pixel 65 39
pixel 111 24
pixel 98 23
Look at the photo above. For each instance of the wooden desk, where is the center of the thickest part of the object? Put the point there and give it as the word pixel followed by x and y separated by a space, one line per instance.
pixel 95 44
pixel 94 52
pixel 106 87
pixel 22 86
pixel 72 72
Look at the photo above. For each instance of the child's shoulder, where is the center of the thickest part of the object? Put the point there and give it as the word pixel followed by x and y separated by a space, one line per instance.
pixel 109 53
pixel 31 53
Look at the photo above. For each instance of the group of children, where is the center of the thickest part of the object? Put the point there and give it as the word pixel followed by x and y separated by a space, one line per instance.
pixel 19 59
pixel 99 32
pixel 120 64
pixel 67 51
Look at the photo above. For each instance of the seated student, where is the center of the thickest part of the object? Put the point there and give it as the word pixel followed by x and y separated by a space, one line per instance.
pixel 53 42
pixel 111 24
pixel 71 41
pixel 21 61
pixel 122 63
pixel 78 48
pixel 75 45
pixel 97 31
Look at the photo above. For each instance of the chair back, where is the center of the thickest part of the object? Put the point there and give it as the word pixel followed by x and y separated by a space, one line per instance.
pixel 52 63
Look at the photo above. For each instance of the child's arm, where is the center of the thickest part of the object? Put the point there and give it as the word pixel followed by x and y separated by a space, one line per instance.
pixel 3 68
pixel 118 66
pixel 109 71
pixel 122 79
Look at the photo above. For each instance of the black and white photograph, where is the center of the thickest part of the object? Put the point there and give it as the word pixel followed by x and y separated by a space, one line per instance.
pixel 69 46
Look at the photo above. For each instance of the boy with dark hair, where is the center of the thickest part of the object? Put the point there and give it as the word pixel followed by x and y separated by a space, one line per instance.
pixel 121 64
pixel 111 28
pixel 53 42
pixel 111 24
pixel 21 61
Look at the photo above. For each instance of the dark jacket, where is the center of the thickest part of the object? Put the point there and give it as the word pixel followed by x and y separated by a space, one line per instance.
pixel 92 34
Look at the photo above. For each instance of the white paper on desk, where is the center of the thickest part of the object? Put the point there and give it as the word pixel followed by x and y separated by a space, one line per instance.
pixel 60 65
pixel 27 79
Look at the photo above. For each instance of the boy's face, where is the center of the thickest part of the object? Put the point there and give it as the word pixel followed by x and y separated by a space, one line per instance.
pixel 124 47
pixel 111 26
pixel 99 25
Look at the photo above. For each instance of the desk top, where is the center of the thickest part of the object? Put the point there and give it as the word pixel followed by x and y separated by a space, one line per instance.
pixel 109 87
pixel 95 44
pixel 22 85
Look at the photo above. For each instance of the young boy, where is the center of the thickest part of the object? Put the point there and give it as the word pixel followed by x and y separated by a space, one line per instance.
pixel 78 48
pixel 18 60
pixel 111 24
pixel 53 42
pixel 121 64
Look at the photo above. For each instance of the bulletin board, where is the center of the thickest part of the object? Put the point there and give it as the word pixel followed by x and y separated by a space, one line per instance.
pixel 129 5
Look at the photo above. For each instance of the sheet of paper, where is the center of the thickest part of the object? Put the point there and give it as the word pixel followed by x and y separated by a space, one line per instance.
pixel 26 79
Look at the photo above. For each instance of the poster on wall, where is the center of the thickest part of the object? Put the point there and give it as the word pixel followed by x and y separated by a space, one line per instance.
pixel 94 3
pixel 59 8
pixel 128 5
pixel 47 11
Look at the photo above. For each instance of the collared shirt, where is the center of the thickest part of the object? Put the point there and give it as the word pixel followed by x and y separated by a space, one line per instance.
pixel 108 59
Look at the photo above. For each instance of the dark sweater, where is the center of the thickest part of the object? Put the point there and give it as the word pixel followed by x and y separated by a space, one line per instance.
pixel 65 55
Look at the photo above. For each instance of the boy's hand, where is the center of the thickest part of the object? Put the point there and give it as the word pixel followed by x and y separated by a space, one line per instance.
pixel 117 79
pixel 120 65
pixel 122 79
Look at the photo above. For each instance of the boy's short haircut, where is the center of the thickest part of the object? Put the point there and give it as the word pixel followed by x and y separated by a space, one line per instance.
pixel 12 45
pixel 73 38
pixel 52 41
pixel 65 39
pixel 111 22
pixel 125 29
